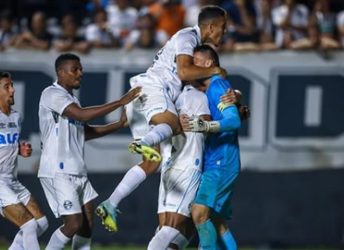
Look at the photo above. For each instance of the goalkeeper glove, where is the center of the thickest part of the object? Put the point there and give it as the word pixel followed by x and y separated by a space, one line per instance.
pixel 198 125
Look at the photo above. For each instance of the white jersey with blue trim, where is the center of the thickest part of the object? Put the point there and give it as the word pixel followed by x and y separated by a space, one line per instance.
pixel 10 126
pixel 62 138
pixel 191 102
pixel 163 72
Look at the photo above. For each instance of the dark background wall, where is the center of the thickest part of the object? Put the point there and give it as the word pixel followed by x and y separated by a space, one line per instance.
pixel 276 209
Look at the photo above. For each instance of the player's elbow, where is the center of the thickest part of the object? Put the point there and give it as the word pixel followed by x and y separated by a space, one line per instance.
pixel 183 74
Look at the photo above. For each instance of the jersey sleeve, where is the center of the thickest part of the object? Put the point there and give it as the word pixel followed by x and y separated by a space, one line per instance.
pixel 230 115
pixel 56 100
pixel 217 89
pixel 185 44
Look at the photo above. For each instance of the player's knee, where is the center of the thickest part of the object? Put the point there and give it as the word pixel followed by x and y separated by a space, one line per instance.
pixel 199 215
pixel 73 225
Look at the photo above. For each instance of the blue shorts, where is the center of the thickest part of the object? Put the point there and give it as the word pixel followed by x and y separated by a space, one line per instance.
pixel 216 190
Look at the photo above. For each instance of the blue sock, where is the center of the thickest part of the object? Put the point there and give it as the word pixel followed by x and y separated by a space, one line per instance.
pixel 207 235
pixel 228 241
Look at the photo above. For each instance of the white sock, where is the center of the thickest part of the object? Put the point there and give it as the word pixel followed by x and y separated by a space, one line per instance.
pixel 30 240
pixel 81 243
pixel 42 226
pixel 134 177
pixel 163 238
pixel 157 134
pixel 57 241
pixel 181 241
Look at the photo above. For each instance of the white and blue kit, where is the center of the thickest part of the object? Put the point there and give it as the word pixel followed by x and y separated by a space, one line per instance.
pixel 160 84
pixel 11 190
pixel 181 174
pixel 62 169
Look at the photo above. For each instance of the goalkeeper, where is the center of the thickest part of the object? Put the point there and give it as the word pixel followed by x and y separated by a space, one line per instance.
pixel 211 208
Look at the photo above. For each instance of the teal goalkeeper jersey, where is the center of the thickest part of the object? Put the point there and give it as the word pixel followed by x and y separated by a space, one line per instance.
pixel 222 148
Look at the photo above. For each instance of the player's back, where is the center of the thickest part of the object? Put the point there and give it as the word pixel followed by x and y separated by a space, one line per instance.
pixel 164 67
pixel 9 143
pixel 222 147
pixel 191 102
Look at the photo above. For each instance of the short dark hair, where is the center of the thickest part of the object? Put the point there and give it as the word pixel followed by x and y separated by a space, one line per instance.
pixel 210 51
pixel 209 13
pixel 61 59
pixel 5 75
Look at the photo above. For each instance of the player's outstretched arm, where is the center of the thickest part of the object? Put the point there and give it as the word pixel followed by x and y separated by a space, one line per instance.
pixel 86 114
pixel 96 131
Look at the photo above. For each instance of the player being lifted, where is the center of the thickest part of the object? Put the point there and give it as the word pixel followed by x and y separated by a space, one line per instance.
pixel 16 203
pixel 62 170
pixel 153 117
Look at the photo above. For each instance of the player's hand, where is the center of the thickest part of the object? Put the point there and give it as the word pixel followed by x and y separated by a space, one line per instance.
pixel 196 124
pixel 230 97
pixel 184 122
pixel 124 119
pixel 131 95
pixel 25 149
pixel 244 112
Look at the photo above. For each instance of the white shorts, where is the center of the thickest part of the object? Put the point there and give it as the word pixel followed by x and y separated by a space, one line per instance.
pixel 153 99
pixel 66 194
pixel 13 192
pixel 178 189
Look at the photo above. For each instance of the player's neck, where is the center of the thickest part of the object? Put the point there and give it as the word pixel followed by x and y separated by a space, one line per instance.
pixel 5 108
pixel 70 90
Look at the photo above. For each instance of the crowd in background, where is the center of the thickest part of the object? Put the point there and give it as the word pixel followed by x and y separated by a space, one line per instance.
pixel 253 25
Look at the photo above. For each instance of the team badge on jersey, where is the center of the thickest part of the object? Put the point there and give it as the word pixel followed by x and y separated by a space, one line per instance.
pixel 67 204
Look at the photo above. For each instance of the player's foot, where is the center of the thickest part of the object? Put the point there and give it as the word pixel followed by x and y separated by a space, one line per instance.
pixel 148 152
pixel 108 213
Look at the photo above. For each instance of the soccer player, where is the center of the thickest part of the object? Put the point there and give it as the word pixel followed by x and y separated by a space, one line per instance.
pixel 153 117
pixel 180 176
pixel 211 207
pixel 62 170
pixel 16 203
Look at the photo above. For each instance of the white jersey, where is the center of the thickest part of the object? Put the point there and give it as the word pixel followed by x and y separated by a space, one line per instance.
pixel 9 143
pixel 62 138
pixel 191 102
pixel 163 72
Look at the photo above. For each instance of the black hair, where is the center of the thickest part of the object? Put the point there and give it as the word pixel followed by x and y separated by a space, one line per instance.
pixel 5 75
pixel 210 13
pixel 210 51
pixel 61 59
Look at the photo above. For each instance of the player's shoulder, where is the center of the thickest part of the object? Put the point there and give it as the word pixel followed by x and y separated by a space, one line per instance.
pixel 52 89
pixel 187 33
pixel 218 82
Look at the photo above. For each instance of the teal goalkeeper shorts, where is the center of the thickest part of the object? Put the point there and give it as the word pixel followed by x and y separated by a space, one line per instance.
pixel 215 191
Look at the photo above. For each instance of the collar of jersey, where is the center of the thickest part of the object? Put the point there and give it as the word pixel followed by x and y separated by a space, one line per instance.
pixel 60 87
pixel 198 30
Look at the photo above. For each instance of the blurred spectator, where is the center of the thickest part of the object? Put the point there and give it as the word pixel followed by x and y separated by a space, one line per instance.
pixel 265 25
pixel 37 37
pixel 193 11
pixel 340 26
pixel 170 15
pixel 291 20
pixel 325 20
pixel 122 19
pixel 242 31
pixel 69 39
pixel 98 33
pixel 146 35
pixel 8 30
